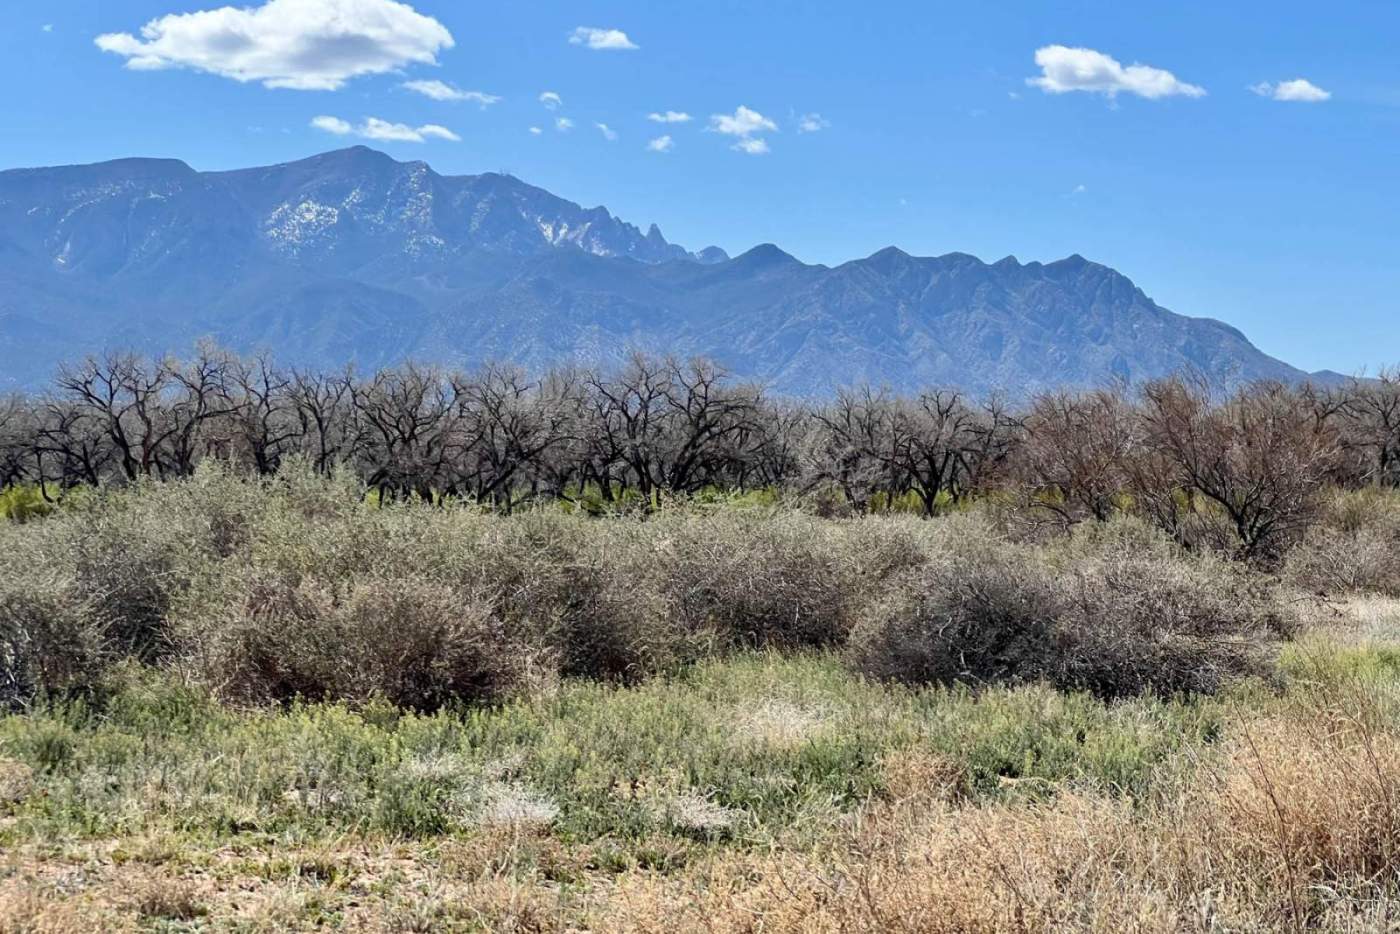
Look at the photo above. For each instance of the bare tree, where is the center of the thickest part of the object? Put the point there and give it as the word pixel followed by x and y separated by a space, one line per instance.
pixel 404 419
pixel 856 446
pixel 1077 449
pixel 150 412
pixel 1371 410
pixel 506 424
pixel 264 424
pixel 321 404
pixel 941 445
pixel 1248 464
pixel 18 433
pixel 1260 456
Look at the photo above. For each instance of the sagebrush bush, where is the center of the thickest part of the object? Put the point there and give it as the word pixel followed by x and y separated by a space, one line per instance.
pixel 416 643
pixel 752 579
pixel 1134 623
pixel 1118 612
pixel 136 550
pixel 53 635
pixel 980 612
pixel 259 586
pixel 1355 548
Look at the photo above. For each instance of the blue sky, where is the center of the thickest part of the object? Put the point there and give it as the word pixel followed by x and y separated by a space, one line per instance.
pixel 1213 179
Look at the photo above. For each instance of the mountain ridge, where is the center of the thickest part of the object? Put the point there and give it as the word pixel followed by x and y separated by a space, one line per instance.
pixel 353 256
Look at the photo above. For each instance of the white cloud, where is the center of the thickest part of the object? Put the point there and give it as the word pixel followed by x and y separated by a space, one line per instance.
pixel 1078 190
pixel 670 116
pixel 563 124
pixel 754 147
pixel 661 144
pixel 602 40
pixel 743 122
pixel 535 131
pixel 384 130
pixel 442 91
pixel 551 100
pixel 332 125
pixel 1064 69
pixel 439 132
pixel 608 132
pixel 811 123
pixel 375 128
pixel 1298 90
pixel 47 27
pixel 308 45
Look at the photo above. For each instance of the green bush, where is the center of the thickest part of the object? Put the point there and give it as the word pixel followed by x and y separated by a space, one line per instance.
pixel 23 503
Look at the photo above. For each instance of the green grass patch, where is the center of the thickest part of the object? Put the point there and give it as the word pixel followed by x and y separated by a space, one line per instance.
pixel 759 750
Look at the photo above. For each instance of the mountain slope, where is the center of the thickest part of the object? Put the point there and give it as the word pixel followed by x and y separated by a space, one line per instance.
pixel 352 256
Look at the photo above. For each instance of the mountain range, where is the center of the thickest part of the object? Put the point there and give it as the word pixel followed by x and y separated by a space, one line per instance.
pixel 351 256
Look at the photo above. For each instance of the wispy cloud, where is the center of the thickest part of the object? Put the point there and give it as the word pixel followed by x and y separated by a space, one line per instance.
pixel 1065 69
pixel 812 123
pixel 442 91
pixel 563 124
pixel 438 132
pixel 47 27
pixel 670 116
pixel 1299 90
pixel 608 132
pixel 384 130
pixel 752 146
pixel 535 131
pixel 602 40
pixel 661 144
pixel 551 100
pixel 308 45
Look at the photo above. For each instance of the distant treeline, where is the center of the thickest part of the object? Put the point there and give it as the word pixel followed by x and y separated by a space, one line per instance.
pixel 654 427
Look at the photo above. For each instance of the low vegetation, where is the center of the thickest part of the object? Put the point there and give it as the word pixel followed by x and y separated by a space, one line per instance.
pixel 1151 682
pixel 272 589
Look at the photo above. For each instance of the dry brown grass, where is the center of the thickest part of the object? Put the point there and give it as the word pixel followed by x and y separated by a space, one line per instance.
pixel 1294 827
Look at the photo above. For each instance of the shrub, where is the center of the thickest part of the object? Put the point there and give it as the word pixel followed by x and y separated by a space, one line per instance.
pixel 779 580
pixel 984 613
pixel 23 503
pixel 1132 623
pixel 1355 549
pixel 1117 616
pixel 52 635
pixel 414 642
pixel 134 551
pixel 257 583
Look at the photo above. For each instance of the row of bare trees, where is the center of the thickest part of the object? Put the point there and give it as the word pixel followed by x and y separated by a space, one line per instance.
pixel 497 435
pixel 500 436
